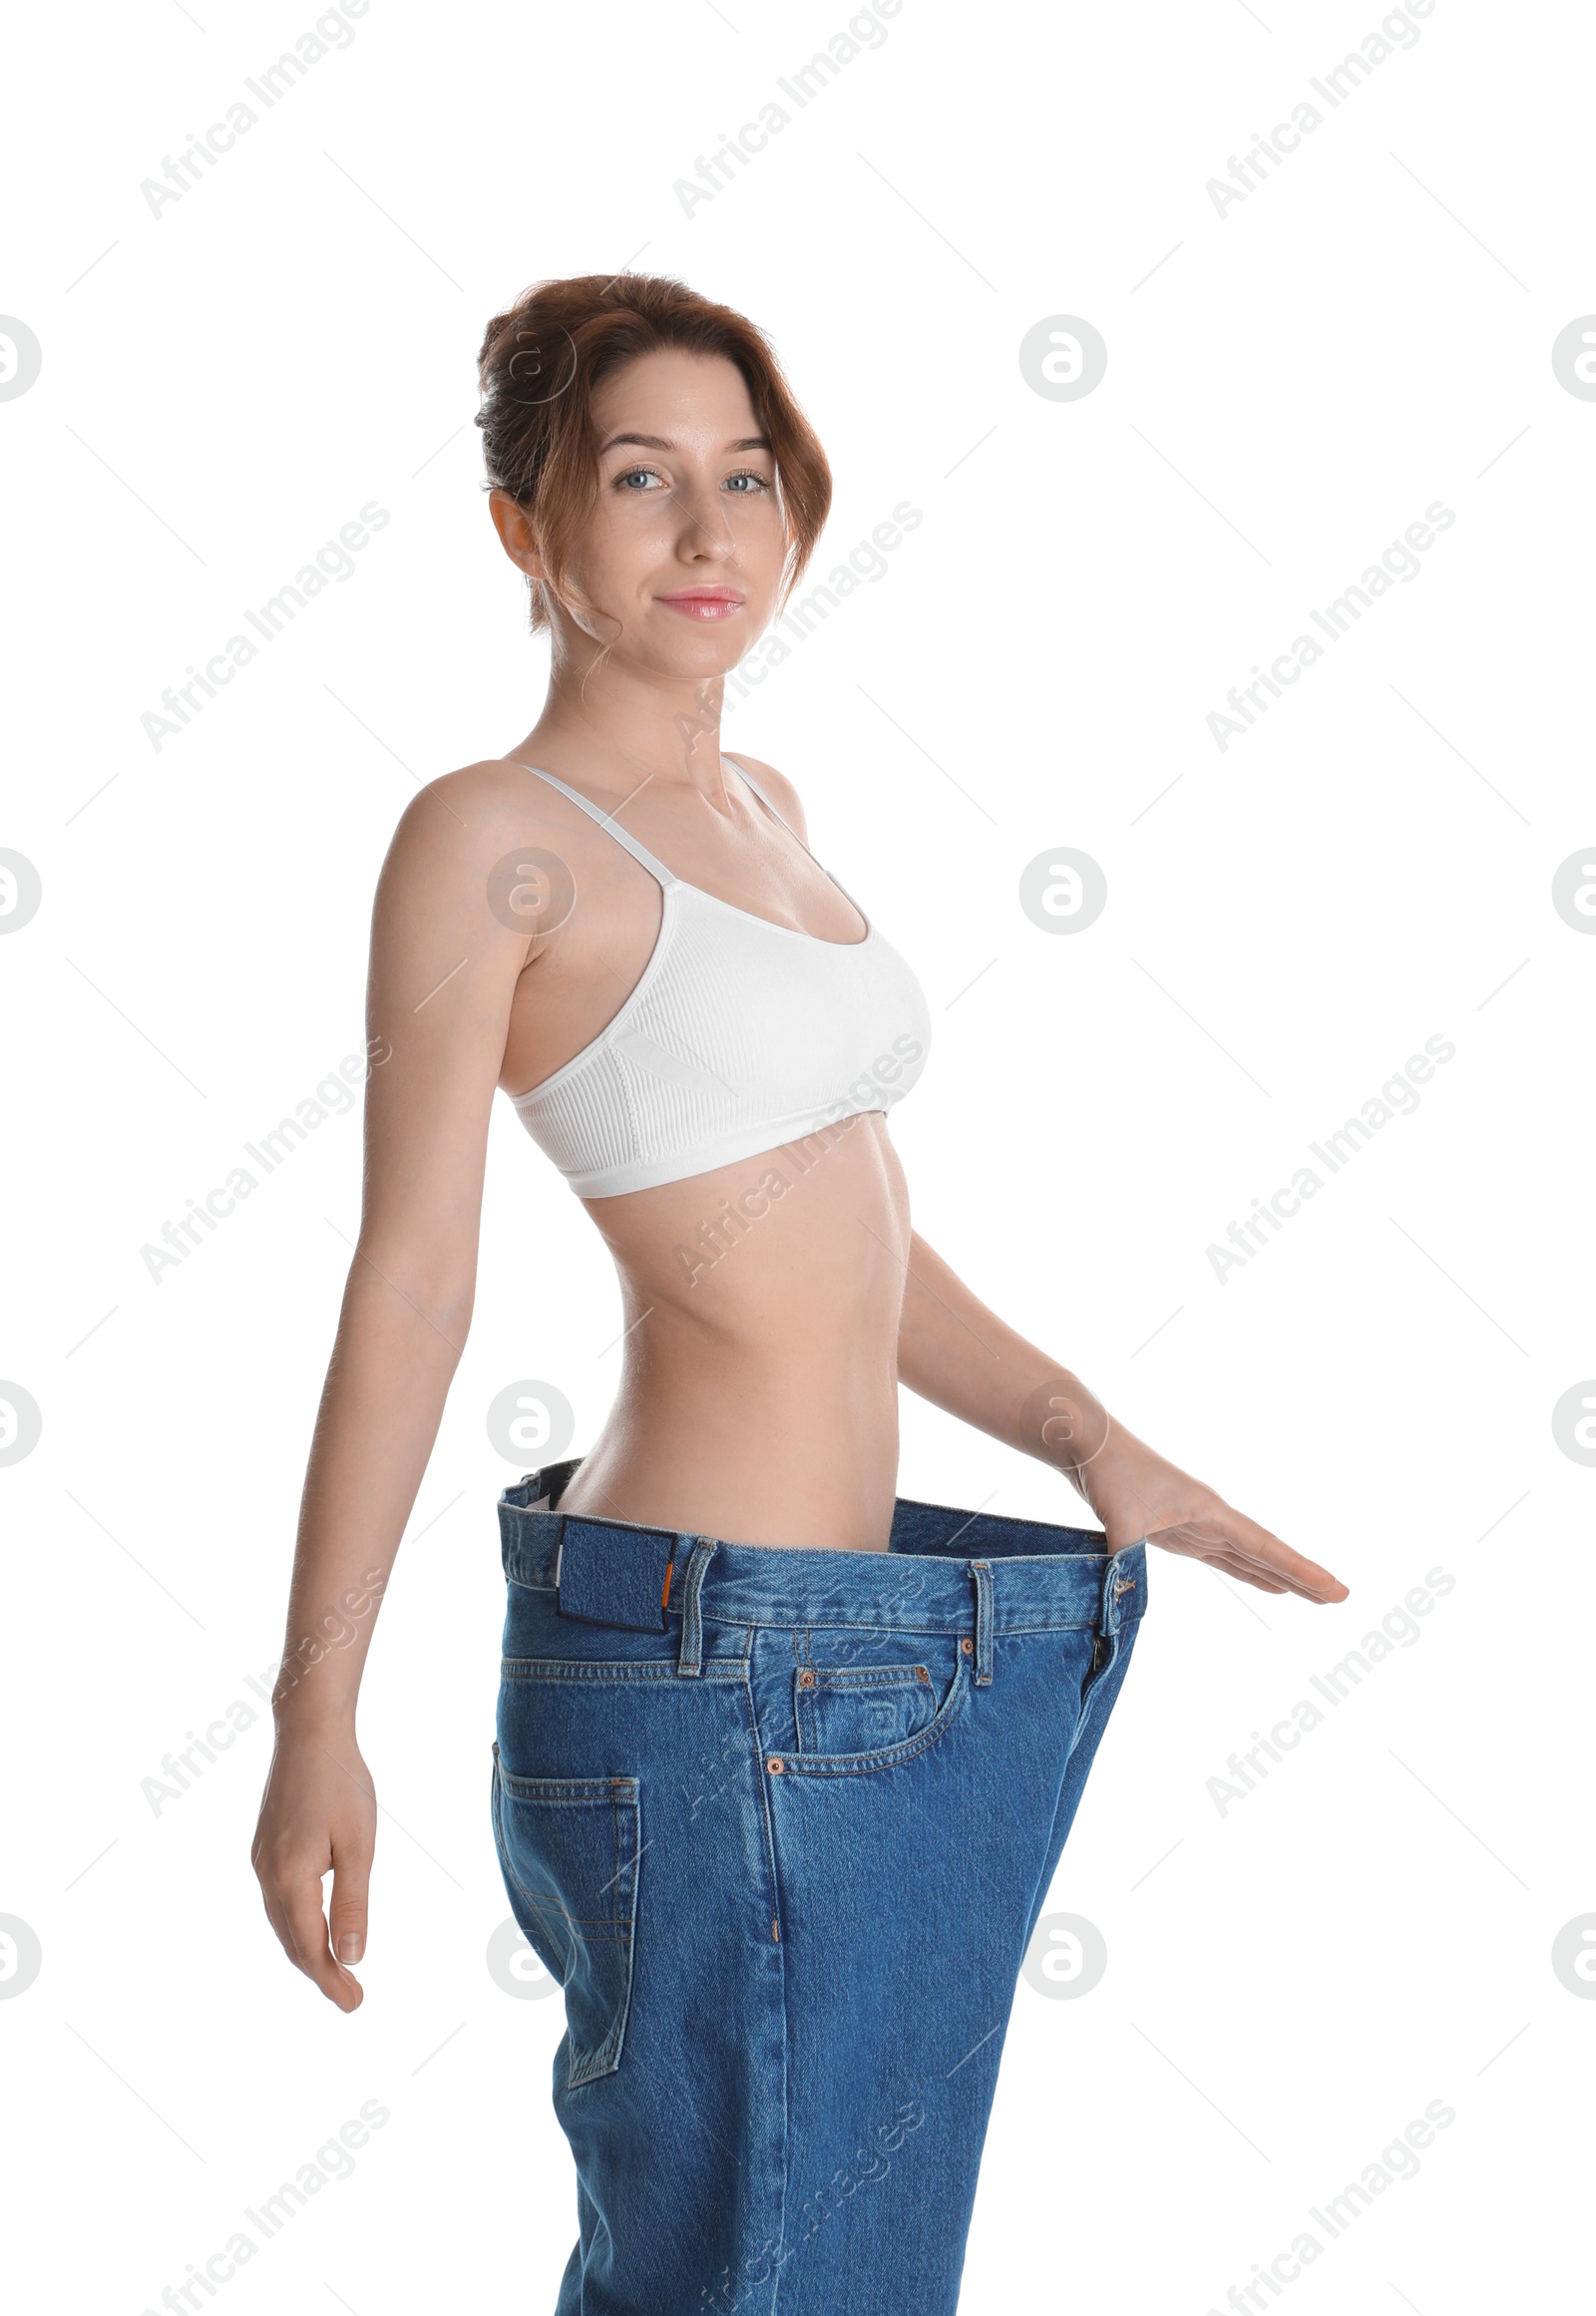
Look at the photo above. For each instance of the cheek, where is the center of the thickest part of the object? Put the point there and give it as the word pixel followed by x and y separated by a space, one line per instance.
pixel 616 554
pixel 764 531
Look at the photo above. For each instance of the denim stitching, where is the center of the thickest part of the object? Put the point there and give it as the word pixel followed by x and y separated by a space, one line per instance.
pixel 865 1764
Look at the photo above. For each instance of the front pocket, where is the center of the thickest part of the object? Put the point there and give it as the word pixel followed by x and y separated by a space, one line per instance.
pixel 863 1761
pixel 861 1708
pixel 569 1848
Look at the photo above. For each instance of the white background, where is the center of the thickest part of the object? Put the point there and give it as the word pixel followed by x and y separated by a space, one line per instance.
pixel 1291 1980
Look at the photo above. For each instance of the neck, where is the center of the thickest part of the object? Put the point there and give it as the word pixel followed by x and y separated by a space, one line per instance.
pixel 624 719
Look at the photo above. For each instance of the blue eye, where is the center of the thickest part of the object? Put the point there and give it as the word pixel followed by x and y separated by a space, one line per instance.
pixel 649 474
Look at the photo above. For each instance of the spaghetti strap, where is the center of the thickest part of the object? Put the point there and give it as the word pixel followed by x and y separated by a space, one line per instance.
pixel 765 800
pixel 797 839
pixel 607 821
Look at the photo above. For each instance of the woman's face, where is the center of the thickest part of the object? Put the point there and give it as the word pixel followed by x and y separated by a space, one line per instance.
pixel 683 553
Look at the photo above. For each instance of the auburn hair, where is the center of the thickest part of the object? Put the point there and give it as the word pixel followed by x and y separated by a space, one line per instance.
pixel 540 363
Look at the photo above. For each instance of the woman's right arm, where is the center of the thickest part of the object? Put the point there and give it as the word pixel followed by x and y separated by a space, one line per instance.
pixel 443 974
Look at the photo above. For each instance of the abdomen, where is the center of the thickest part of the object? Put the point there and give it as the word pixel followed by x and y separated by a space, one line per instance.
pixel 761 1304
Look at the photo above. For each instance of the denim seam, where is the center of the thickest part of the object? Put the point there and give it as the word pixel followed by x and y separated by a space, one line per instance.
pixel 845 1678
pixel 981 1570
pixel 607 2058
pixel 868 1622
pixel 803 1718
pixel 878 1625
pixel 566 1793
pixel 597 1932
pixel 498 1829
pixel 603 1668
pixel 762 1788
pixel 1078 1624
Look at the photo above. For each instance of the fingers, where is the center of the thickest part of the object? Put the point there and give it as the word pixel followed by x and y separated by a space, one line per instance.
pixel 1247 1571
pixel 1229 1541
pixel 347 1914
pixel 1252 1564
pixel 1189 1546
pixel 1270 1579
pixel 318 1816
pixel 279 1923
pixel 352 1843
pixel 292 1901
pixel 1299 1573
pixel 304 1931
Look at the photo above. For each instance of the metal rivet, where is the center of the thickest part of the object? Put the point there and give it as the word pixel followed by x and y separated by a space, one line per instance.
pixel 967 1646
pixel 921 1674
pixel 806 1680
pixel 775 1764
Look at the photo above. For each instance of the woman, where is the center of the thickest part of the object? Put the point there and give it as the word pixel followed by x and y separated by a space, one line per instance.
pixel 784 1762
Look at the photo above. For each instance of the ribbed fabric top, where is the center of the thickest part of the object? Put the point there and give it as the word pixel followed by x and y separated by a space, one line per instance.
pixel 740 1035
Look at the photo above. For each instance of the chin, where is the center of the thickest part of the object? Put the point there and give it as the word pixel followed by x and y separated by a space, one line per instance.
pixel 710 650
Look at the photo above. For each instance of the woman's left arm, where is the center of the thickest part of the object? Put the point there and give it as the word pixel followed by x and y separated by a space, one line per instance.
pixel 959 1356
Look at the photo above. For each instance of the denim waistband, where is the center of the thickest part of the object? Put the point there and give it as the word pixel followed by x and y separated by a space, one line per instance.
pixel 1027 1575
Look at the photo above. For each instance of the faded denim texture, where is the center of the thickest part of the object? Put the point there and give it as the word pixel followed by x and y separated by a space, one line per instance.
pixel 782 1822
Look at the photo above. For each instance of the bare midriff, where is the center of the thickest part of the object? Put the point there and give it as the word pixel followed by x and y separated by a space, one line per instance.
pixel 758 1400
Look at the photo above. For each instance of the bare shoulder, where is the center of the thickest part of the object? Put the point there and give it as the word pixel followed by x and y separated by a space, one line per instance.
pixel 780 791
pixel 477 795
pixel 477 813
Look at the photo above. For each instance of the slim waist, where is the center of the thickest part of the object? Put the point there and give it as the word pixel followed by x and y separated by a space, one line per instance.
pixel 1038 1575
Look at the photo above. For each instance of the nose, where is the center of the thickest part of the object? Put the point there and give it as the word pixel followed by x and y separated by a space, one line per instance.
pixel 705 530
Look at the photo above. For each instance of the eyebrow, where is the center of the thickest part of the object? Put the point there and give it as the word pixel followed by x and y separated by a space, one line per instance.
pixel 659 443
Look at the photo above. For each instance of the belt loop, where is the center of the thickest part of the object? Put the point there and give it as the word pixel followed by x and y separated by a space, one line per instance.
pixel 982 1572
pixel 692 1630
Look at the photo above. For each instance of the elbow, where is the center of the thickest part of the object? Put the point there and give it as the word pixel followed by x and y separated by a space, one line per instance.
pixel 437 1299
pixel 452 1316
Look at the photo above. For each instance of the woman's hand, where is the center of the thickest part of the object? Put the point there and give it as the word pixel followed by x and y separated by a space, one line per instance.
pixel 318 1814
pixel 1136 1493
pixel 962 1357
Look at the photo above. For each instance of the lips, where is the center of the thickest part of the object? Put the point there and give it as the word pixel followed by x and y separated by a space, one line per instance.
pixel 705 603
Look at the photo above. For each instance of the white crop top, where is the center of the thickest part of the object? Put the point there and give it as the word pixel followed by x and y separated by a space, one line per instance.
pixel 741 1036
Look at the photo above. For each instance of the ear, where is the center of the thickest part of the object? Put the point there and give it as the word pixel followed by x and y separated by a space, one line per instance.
pixel 516 534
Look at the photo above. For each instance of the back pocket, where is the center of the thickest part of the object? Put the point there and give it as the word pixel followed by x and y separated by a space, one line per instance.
pixel 568 1848
pixel 861 1708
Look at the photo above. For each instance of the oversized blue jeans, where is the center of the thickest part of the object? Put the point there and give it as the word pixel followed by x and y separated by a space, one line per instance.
pixel 782 1822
